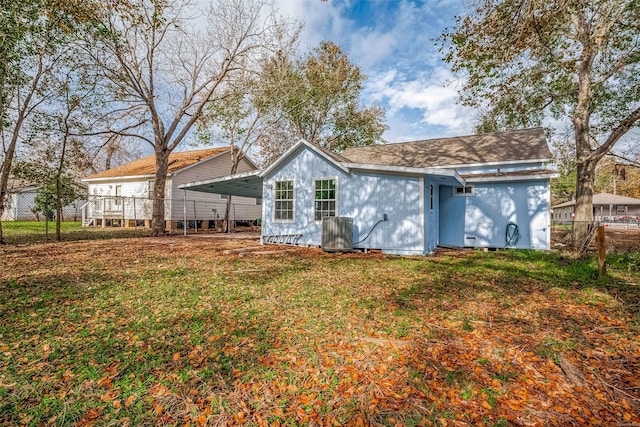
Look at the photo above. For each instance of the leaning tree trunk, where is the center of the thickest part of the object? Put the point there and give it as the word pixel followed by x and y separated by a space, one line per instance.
pixel 162 167
pixel 586 172
pixel 4 175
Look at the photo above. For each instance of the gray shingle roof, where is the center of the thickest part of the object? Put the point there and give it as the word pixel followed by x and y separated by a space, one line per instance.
pixel 510 146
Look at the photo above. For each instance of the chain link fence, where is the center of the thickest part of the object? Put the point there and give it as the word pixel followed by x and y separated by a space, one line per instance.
pixel 622 234
pixel 102 217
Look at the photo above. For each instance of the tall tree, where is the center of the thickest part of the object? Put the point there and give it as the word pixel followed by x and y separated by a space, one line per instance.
pixel 32 42
pixel 576 59
pixel 166 72
pixel 320 102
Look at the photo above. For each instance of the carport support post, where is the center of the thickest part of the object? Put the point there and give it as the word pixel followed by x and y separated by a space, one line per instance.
pixel 602 252
pixel 195 217
pixel 184 209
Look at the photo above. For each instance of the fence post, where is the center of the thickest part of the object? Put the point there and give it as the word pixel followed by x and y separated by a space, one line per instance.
pixel 195 217
pixel 135 217
pixel 602 252
pixel 184 209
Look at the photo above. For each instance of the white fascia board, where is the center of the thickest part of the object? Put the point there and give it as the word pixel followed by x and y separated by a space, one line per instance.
pixel 510 162
pixel 502 178
pixel 119 178
pixel 406 170
pixel 282 159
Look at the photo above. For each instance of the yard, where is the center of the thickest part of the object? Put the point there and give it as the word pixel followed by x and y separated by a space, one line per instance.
pixel 18 232
pixel 176 331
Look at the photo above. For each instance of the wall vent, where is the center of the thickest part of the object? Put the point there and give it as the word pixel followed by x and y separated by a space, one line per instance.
pixel 337 234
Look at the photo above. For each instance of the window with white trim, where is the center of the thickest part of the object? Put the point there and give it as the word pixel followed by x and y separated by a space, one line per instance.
pixel 621 209
pixel 325 198
pixel 283 201
pixel 468 190
pixel 150 189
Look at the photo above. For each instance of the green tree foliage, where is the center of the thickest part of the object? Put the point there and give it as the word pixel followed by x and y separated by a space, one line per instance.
pixel 165 71
pixel 33 37
pixel 579 59
pixel 49 197
pixel 320 102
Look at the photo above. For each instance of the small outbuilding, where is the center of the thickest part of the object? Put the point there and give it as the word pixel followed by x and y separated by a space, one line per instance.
pixel 20 205
pixel 485 191
pixel 606 208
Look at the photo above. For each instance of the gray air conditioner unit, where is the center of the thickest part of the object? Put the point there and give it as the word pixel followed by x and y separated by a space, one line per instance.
pixel 337 234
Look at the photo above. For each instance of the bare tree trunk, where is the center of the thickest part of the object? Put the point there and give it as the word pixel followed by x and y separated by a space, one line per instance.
pixel 162 167
pixel 586 172
pixel 6 169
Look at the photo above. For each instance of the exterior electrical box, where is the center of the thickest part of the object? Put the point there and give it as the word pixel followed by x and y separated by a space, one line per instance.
pixel 337 234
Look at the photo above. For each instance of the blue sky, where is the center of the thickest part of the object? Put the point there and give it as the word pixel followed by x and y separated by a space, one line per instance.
pixel 393 42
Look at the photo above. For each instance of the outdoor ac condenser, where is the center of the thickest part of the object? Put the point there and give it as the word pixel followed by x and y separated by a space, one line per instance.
pixel 337 234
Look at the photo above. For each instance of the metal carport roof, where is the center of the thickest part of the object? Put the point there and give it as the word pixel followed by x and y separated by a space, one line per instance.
pixel 248 184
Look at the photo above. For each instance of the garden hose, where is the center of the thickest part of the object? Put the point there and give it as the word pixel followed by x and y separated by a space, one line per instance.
pixel 512 234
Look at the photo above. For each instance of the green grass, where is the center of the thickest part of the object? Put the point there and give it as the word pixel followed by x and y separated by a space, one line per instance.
pixel 145 333
pixel 18 232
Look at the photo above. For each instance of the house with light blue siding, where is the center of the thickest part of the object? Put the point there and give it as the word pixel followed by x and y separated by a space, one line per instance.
pixel 484 191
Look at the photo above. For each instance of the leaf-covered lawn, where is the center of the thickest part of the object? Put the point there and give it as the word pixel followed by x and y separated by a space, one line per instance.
pixel 174 332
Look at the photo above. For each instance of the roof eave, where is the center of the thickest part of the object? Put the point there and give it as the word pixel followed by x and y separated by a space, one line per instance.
pixel 452 173
pixel 121 178
pixel 500 163
pixel 505 178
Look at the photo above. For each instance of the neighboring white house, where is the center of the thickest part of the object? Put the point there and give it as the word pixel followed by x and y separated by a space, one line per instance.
pixel 488 191
pixel 606 207
pixel 124 195
pixel 19 205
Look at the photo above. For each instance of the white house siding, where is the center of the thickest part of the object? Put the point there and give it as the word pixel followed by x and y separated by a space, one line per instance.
pixel 480 220
pixel 363 197
pixel 102 198
pixel 211 206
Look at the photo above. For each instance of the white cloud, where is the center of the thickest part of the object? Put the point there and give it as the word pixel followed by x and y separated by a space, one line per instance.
pixel 433 95
pixel 395 48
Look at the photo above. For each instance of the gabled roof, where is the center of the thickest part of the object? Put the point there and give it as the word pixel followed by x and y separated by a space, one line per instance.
pixel 605 199
pixel 495 148
pixel 334 158
pixel 147 165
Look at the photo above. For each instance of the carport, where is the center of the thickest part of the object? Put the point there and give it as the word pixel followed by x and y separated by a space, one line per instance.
pixel 248 184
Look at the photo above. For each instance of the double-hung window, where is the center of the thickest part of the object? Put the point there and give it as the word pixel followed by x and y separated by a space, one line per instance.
pixel 283 201
pixel 325 198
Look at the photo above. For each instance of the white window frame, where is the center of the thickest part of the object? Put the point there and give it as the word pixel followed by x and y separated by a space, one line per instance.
pixel 276 200
pixel 118 191
pixel 151 186
pixel 621 209
pixel 335 196
pixel 467 191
